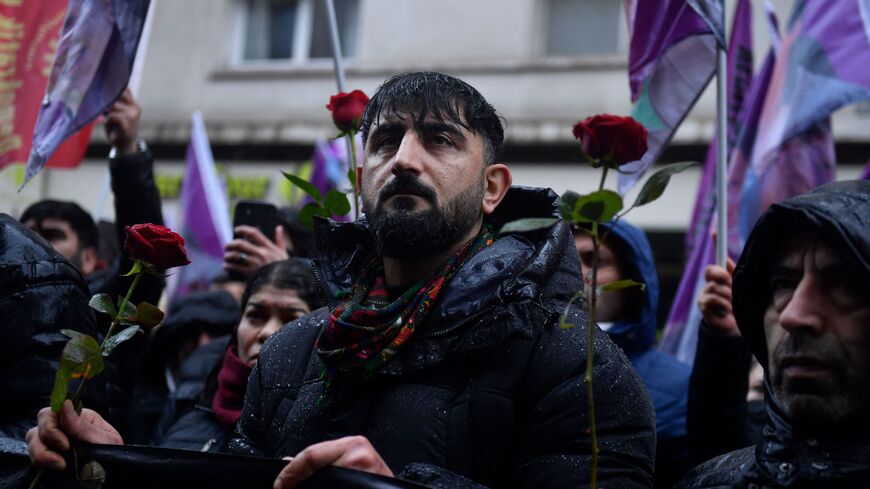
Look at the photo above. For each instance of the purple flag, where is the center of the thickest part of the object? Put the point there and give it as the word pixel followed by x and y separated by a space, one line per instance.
pixel 204 219
pixel 865 175
pixel 820 67
pixel 91 68
pixel 671 59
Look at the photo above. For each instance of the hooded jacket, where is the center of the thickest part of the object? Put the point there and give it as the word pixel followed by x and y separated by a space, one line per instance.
pixel 488 390
pixel 40 294
pixel 666 379
pixel 839 211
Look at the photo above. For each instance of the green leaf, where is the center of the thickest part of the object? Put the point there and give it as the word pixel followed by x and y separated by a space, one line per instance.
pixel 103 303
pixel 69 333
pixel 60 390
pixel 566 205
pixel 113 341
pixel 136 268
pixel 305 186
pixel 129 312
pixel 564 325
pixel 336 203
pixel 148 315
pixel 621 284
pixel 83 357
pixel 655 185
pixel 527 224
pixel 308 211
pixel 351 175
pixel 598 206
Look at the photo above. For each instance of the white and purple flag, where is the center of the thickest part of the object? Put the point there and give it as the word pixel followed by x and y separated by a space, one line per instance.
pixel 785 147
pixel 204 216
pixel 91 68
pixel 681 329
pixel 672 57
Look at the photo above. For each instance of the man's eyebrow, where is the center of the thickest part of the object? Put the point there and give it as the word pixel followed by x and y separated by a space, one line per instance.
pixel 386 127
pixel 439 126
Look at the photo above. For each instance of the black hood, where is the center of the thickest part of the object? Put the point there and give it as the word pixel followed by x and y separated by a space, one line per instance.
pixel 40 294
pixel 838 211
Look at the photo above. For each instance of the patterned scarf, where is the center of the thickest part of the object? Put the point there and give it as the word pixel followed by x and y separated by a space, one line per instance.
pixel 366 329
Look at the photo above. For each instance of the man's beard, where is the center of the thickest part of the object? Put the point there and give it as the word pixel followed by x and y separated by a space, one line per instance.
pixel 819 405
pixel 402 232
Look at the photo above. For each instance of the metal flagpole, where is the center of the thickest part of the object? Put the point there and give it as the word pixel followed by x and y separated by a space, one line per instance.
pixel 337 57
pixel 340 80
pixel 722 150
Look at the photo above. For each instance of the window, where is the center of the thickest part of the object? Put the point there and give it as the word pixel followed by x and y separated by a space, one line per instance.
pixel 297 30
pixel 586 27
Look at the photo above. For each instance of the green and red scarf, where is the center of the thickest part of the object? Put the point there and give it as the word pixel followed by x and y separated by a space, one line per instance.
pixel 367 328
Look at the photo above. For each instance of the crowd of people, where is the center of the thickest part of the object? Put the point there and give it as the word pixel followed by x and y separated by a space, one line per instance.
pixel 419 343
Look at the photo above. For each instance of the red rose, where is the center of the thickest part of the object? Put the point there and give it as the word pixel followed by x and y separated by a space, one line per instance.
pixel 612 139
pixel 347 109
pixel 155 245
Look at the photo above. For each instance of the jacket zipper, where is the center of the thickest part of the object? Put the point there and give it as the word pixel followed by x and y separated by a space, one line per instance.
pixel 455 326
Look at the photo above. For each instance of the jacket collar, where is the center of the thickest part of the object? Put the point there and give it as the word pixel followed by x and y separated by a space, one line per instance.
pixel 535 266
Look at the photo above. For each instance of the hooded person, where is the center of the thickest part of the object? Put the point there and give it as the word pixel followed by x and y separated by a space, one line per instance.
pixel 40 294
pixel 801 290
pixel 629 318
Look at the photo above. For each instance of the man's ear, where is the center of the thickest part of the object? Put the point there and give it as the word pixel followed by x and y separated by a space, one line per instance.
pixel 497 181
pixel 89 259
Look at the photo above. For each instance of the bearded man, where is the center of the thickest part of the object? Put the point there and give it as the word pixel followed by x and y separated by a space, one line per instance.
pixel 440 358
pixel 801 292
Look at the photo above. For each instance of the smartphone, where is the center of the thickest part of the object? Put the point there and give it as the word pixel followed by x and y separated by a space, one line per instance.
pixel 261 215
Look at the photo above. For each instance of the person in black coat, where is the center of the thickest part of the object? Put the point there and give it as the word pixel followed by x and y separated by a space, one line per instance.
pixel 40 294
pixel 800 300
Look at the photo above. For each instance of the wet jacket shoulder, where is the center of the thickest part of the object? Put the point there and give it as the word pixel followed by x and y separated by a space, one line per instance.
pixel 40 294
pixel 490 387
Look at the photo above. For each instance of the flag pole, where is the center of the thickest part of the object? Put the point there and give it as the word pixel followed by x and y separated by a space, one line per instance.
pixel 722 150
pixel 337 58
pixel 340 81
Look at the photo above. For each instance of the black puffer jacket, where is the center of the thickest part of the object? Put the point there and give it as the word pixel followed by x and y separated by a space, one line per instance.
pixel 489 388
pixel 40 294
pixel 840 211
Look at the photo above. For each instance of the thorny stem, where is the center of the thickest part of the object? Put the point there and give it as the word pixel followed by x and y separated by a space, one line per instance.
pixel 122 306
pixel 590 340
pixel 350 138
pixel 590 357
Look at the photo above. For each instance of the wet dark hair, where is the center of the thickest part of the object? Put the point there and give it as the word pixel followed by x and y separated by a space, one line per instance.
pixel 80 221
pixel 443 97
pixel 294 274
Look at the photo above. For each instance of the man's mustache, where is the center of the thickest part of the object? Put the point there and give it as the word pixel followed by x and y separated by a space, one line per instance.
pixel 407 185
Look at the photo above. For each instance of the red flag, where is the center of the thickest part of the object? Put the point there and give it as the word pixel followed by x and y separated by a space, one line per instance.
pixel 29 33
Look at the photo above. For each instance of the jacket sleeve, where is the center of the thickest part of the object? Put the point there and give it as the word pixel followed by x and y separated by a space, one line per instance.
pixel 137 201
pixel 716 417
pixel 554 438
